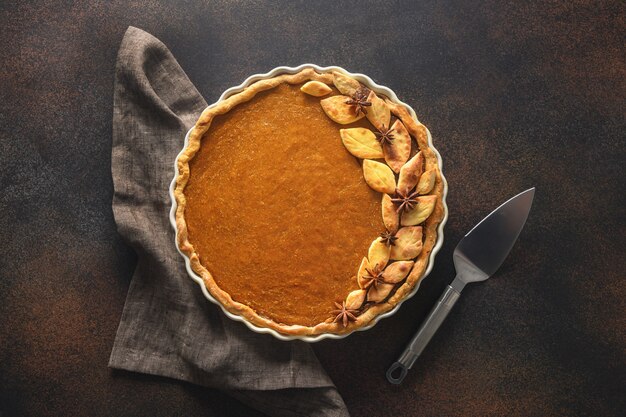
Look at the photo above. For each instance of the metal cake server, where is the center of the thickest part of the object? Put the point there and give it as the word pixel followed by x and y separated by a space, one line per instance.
pixel 477 256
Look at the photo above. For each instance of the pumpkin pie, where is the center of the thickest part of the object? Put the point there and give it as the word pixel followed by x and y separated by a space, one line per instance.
pixel 308 203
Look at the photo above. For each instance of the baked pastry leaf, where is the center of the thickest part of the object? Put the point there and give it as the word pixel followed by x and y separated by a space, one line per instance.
pixel 338 109
pixel 398 150
pixel 427 181
pixel 316 89
pixel 410 173
pixel 408 244
pixel 379 176
pixel 378 113
pixel 420 212
pixel 361 142
pixel 391 219
pixel 346 85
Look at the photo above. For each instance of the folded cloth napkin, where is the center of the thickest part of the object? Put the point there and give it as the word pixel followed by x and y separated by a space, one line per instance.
pixel 168 328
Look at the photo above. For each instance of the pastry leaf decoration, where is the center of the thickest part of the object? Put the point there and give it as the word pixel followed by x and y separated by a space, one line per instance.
pixel 363 271
pixel 391 220
pixel 419 213
pixel 361 143
pixel 376 276
pixel 410 173
pixel 378 254
pixel 379 293
pixel 355 299
pixel 378 113
pixel 404 206
pixel 397 271
pixel 336 108
pixel 427 182
pixel 379 176
pixel 397 151
pixel 408 243
pixel 346 85
pixel 316 89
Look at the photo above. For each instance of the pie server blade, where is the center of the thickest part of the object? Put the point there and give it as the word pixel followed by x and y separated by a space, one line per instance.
pixel 477 256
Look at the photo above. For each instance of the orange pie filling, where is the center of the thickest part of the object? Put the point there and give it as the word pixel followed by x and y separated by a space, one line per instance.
pixel 308 206
pixel 278 210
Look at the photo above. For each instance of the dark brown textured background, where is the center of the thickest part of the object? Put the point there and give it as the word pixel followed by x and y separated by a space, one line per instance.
pixel 515 96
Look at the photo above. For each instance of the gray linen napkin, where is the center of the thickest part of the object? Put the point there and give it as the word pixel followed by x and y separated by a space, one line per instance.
pixel 168 328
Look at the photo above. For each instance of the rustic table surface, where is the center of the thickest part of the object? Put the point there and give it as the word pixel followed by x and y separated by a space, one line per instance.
pixel 516 95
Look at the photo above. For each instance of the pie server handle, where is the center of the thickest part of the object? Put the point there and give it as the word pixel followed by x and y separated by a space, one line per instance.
pixel 399 369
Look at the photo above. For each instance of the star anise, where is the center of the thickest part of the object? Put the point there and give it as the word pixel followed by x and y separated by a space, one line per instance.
pixel 388 238
pixel 384 136
pixel 359 100
pixel 362 92
pixel 373 277
pixel 344 314
pixel 405 201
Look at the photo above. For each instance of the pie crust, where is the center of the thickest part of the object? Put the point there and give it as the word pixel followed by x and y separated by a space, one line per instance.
pixel 399 167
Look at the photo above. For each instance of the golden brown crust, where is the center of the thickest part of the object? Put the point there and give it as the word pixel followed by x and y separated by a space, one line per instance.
pixel 417 131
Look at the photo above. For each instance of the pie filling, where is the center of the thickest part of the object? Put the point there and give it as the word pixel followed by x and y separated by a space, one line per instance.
pixel 278 209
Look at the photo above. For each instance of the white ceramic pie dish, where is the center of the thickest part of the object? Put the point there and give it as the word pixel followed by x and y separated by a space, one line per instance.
pixel 379 90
